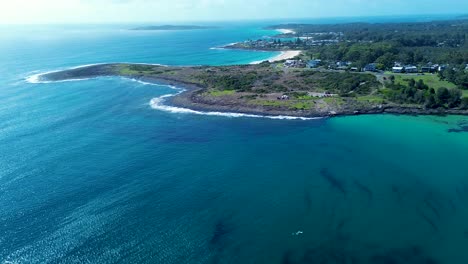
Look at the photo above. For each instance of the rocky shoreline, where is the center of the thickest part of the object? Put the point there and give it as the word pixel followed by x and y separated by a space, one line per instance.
pixel 191 100
pixel 194 97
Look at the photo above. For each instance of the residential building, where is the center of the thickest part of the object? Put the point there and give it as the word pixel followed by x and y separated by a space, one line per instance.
pixel 411 69
pixel 429 69
pixel 314 63
pixel 372 67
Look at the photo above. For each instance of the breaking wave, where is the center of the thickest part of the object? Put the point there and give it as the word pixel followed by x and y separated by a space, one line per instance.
pixel 158 104
pixel 36 78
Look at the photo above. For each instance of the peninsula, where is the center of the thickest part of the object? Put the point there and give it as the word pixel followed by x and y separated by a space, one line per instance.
pixel 173 27
pixel 272 89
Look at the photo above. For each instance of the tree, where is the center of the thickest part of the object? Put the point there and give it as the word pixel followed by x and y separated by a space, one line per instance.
pixel 430 101
pixel 442 96
pixel 380 66
pixel 387 60
pixel 419 97
pixel 464 103
pixel 455 98
pixel 421 85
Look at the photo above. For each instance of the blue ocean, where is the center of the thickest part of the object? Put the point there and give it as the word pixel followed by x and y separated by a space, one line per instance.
pixel 90 172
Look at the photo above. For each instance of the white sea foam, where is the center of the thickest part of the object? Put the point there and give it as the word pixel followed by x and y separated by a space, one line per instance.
pixel 158 104
pixel 260 61
pixel 36 78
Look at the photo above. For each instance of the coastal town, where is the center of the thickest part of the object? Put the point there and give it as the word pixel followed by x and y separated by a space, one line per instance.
pixel 371 67
pixel 427 48
pixel 288 49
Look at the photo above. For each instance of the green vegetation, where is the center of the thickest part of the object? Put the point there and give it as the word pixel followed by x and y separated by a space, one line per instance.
pixel 464 103
pixel 384 43
pixel 458 76
pixel 305 90
pixel 428 44
pixel 137 69
pixel 288 104
pixel 378 99
pixel 410 91
pixel 432 80
pixel 305 105
pixel 269 103
pixel 337 101
pixel 221 93
pixel 344 84
pixel 421 44
pixel 232 81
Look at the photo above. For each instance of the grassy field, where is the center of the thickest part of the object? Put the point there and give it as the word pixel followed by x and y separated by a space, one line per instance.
pixel 371 99
pixel 432 80
pixel 221 93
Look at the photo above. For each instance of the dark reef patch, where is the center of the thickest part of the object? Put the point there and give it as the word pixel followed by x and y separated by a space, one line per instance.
pixel 462 127
pixel 221 231
pixel 334 182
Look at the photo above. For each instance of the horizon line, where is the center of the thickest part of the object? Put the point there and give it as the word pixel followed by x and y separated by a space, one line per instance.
pixel 455 15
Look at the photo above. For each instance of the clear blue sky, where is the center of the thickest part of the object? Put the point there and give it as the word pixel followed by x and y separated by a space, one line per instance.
pixel 106 11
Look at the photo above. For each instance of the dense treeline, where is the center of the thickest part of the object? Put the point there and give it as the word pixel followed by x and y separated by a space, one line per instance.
pixel 456 76
pixel 385 54
pixel 452 33
pixel 417 92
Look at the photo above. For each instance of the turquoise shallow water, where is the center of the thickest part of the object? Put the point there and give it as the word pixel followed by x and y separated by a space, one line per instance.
pixel 89 172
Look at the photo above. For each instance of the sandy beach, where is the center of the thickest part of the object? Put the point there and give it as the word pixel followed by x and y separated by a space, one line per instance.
pixel 285 55
pixel 286 31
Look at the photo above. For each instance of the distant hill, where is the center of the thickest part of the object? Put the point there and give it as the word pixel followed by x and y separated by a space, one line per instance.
pixel 172 27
